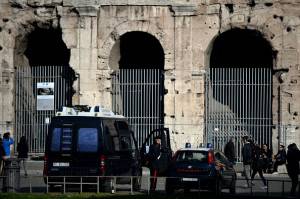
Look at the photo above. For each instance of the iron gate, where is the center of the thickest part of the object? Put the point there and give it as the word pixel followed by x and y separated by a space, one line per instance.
pixel 238 102
pixel 138 95
pixel 29 121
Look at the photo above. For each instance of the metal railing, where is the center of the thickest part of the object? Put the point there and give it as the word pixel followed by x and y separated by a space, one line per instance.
pixel 275 187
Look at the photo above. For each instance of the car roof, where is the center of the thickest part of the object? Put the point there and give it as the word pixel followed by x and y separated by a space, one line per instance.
pixel 196 149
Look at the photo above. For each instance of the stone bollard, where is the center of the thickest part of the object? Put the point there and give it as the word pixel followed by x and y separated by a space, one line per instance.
pixel 11 182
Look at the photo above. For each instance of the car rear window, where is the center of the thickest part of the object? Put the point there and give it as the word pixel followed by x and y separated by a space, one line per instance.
pixel 87 140
pixel 199 156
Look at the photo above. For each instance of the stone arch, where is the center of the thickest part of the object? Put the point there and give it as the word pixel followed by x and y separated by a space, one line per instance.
pixel 239 60
pixel 130 26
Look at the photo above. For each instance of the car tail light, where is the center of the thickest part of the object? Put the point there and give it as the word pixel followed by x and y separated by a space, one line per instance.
pixel 102 164
pixel 45 171
pixel 174 156
pixel 210 158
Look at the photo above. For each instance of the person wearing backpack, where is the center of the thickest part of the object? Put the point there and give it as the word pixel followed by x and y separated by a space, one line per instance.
pixel 247 159
pixel 258 165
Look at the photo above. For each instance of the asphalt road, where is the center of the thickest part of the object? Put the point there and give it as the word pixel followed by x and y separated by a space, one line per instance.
pixel 278 185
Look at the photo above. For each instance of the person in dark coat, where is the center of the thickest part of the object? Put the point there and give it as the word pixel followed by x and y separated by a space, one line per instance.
pixel 257 165
pixel 22 149
pixel 154 156
pixel 229 150
pixel 247 159
pixel 293 158
pixel 267 154
pixel 280 158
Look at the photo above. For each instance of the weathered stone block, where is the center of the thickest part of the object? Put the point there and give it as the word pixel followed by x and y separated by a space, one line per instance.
pixel 70 37
pixel 213 9
pixel 35 3
pixel 289 58
pixel 69 22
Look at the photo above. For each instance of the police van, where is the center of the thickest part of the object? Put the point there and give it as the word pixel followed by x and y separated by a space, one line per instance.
pixel 91 142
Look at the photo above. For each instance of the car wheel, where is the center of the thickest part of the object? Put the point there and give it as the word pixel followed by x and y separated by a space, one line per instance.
pixel 169 188
pixel 218 187
pixel 232 188
pixel 186 190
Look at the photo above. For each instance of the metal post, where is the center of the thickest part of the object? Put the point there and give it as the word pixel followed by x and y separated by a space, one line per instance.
pixel 64 184
pixel 97 184
pixel 131 186
pixel 47 189
pixel 282 187
pixel 80 184
pixel 30 186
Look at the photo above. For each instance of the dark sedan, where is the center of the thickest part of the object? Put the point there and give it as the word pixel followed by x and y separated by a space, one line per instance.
pixel 200 168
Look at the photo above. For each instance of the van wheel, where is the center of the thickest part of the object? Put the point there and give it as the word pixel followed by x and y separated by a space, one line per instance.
pixel 106 186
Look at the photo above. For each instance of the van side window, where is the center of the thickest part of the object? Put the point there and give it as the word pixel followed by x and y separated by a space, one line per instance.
pixel 87 140
pixel 61 139
pixel 66 139
pixel 55 141
pixel 125 143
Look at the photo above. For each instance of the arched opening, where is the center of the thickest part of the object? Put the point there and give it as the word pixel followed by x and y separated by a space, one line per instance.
pixel 140 50
pixel 138 85
pixel 239 88
pixel 43 87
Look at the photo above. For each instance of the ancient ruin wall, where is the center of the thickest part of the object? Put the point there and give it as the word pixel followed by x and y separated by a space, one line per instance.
pixel 185 29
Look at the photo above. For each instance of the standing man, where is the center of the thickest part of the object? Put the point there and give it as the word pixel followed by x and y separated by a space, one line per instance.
pixel 154 156
pixel 7 141
pixel 247 159
pixel 293 158
pixel 230 151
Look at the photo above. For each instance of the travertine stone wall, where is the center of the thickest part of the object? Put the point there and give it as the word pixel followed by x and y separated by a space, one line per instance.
pixel 185 29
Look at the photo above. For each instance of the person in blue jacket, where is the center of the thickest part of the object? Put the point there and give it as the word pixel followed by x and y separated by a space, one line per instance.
pixel 7 141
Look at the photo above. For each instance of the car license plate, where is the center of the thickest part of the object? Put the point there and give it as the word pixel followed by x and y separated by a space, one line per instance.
pixel 61 164
pixel 190 179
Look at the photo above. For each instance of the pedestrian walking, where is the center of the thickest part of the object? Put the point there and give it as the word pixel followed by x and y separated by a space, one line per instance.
pixel 7 142
pixel 293 158
pixel 22 149
pixel 257 165
pixel 247 159
pixel 229 150
pixel 280 158
pixel 154 156
pixel 267 155
pixel 2 156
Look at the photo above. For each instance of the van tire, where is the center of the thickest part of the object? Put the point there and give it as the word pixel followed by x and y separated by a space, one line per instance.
pixel 106 186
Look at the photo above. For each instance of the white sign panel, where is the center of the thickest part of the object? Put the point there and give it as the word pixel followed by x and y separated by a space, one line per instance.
pixel 45 96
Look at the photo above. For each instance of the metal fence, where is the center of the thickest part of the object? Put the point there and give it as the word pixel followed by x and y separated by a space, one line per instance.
pixel 238 102
pixel 279 188
pixel 138 95
pixel 30 121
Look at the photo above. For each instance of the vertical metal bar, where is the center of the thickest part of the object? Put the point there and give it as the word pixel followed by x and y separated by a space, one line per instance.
pixel 97 184
pixel 47 185
pixel 64 185
pixel 131 186
pixel 81 184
